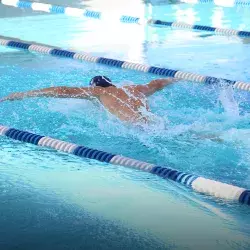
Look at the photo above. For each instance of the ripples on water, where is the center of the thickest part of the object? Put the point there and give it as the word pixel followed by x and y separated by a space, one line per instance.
pixel 45 192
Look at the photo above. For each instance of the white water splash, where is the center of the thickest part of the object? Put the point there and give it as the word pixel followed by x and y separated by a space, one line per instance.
pixel 229 103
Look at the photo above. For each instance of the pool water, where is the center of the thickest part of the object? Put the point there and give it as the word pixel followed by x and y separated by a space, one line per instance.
pixel 51 199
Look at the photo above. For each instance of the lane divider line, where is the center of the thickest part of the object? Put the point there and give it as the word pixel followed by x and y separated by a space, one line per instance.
pixel 223 3
pixel 199 184
pixel 164 72
pixel 218 31
pixel 123 18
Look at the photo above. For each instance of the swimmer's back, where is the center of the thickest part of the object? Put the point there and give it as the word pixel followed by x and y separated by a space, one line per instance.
pixel 126 103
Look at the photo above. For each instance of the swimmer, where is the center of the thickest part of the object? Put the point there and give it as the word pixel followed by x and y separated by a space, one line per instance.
pixel 126 103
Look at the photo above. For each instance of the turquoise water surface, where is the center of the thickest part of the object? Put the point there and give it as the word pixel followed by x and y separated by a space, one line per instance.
pixel 54 200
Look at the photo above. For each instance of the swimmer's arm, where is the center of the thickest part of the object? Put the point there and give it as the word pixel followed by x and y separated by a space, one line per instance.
pixel 57 92
pixel 155 85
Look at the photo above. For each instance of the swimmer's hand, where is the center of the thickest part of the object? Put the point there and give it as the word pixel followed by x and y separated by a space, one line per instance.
pixel 13 97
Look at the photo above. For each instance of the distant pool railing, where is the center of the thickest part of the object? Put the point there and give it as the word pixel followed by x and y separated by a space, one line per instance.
pixel 202 185
pixel 223 3
pixel 123 18
pixel 164 72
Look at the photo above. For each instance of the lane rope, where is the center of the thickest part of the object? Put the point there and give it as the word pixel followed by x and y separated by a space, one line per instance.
pixel 123 18
pixel 202 185
pixel 223 3
pixel 164 72
pixel 217 31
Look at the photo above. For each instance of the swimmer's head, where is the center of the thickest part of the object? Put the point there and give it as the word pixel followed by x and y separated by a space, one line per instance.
pixel 101 81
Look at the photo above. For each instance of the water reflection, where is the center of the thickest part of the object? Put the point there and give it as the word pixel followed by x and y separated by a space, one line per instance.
pixel 97 188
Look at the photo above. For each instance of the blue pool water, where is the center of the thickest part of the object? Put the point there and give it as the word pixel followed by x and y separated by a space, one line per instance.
pixel 57 200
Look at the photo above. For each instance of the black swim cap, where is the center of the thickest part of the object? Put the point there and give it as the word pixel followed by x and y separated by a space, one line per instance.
pixel 101 81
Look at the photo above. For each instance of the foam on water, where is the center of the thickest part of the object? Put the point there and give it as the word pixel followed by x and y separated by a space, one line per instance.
pixel 187 115
pixel 229 103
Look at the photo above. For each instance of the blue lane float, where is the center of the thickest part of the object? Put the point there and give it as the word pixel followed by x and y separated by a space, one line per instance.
pixel 164 72
pixel 202 185
pixel 123 18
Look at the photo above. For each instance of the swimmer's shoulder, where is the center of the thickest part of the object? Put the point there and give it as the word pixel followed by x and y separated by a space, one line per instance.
pixel 132 88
